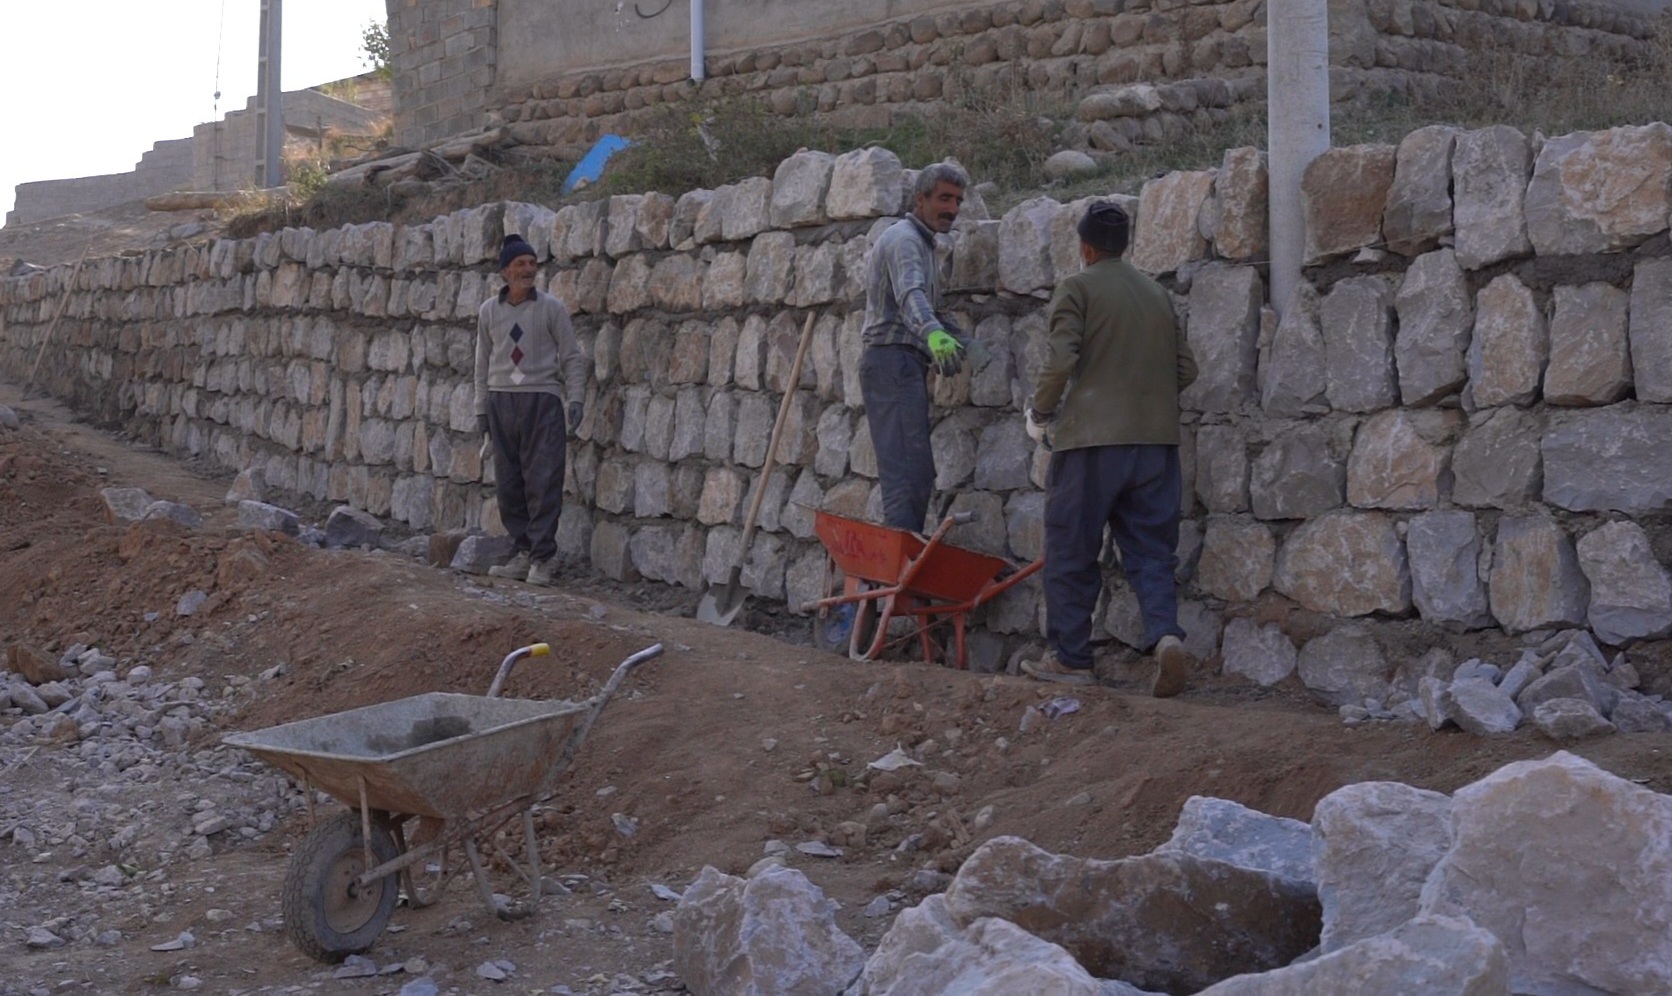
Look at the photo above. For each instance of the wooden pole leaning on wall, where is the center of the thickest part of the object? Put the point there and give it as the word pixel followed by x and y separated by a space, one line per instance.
pixel 53 326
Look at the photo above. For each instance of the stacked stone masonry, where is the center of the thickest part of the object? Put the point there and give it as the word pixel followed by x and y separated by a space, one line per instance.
pixel 1074 49
pixel 1459 419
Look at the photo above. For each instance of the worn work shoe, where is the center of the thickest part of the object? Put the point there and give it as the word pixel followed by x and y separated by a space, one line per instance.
pixel 540 572
pixel 1172 668
pixel 1049 668
pixel 516 567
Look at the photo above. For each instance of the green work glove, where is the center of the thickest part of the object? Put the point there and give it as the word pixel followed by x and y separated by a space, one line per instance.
pixel 942 346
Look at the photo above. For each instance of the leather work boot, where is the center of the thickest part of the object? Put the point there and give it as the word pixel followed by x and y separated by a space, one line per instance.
pixel 516 567
pixel 540 572
pixel 1172 668
pixel 1049 668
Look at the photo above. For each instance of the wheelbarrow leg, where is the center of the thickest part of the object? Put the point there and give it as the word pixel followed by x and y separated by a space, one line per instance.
pixel 535 889
pixel 480 874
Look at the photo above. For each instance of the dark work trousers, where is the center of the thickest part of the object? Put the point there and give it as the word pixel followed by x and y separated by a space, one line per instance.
pixel 528 433
pixel 1135 490
pixel 894 381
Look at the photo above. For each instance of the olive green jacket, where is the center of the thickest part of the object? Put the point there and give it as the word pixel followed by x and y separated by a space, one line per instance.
pixel 1115 349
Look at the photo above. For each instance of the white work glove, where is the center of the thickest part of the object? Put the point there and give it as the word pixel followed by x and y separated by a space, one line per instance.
pixel 1039 426
pixel 487 447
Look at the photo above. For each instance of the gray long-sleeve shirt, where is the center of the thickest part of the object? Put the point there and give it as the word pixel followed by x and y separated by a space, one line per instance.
pixel 902 287
pixel 528 347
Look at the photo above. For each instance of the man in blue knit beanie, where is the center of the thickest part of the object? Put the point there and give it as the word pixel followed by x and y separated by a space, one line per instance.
pixel 528 365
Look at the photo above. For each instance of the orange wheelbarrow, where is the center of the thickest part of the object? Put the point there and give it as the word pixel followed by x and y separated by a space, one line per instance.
pixel 887 574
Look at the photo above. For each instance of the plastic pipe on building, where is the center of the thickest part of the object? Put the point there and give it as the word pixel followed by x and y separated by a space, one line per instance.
pixel 697 54
pixel 1297 114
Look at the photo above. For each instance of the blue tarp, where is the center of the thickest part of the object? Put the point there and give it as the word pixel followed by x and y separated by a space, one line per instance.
pixel 591 166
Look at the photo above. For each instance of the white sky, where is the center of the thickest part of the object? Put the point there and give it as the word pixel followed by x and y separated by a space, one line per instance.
pixel 88 88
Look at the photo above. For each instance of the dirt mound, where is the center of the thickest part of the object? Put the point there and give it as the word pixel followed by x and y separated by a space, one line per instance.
pixel 729 740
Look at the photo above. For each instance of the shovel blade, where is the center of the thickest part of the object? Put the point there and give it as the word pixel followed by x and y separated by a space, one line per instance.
pixel 721 603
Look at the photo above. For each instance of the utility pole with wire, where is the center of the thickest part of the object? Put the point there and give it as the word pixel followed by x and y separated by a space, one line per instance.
pixel 269 97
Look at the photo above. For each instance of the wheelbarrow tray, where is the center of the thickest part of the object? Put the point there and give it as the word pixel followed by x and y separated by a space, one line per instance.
pixel 438 754
pixel 882 554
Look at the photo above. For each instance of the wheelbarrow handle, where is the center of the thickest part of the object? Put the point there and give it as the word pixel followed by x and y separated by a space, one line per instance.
pixel 510 661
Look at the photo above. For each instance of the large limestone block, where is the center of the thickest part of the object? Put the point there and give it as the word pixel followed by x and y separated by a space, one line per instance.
pixel 1444 549
pixel 1356 317
pixel 1237 558
pixel 800 186
pixel 1631 596
pixel 770 272
pixel 865 183
pixel 1418 213
pixel 1398 456
pixel 1302 472
pixel 1436 314
pixel 925 953
pixel 1600 191
pixel 1240 208
pixel 1345 666
pixel 1592 913
pixel 976 251
pixel 1651 316
pixel 1228 831
pixel 773 934
pixel 1373 845
pixel 621 225
pixel 1497 463
pixel 744 208
pixel 1613 458
pixel 1345 563
pixel 1490 170
pixel 1510 344
pixel 1222 468
pixel 1224 334
pixel 1263 654
pixel 1168 232
pixel 1590 356
pixel 676 284
pixel 1025 246
pixel 1293 375
pixel 1343 194
pixel 1535 580
pixel 1166 921
pixel 1430 955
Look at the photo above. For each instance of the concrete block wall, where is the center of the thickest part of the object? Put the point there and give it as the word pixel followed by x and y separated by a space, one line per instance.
pixel 224 151
pixel 1458 421
pixel 442 56
pixel 166 167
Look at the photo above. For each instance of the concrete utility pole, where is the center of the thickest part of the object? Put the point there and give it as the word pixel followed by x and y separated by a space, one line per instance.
pixel 1297 121
pixel 698 49
pixel 269 97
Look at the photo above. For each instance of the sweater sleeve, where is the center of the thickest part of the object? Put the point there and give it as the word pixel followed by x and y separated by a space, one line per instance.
pixel 570 357
pixel 908 271
pixel 484 354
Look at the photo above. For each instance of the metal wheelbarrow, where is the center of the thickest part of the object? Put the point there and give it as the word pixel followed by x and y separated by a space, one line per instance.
pixel 422 776
pixel 887 574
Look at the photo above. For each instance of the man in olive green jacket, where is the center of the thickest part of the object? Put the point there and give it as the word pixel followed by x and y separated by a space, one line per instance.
pixel 1108 394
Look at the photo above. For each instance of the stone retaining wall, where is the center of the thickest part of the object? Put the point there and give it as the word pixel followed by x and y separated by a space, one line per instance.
pixel 1460 419
pixel 1066 50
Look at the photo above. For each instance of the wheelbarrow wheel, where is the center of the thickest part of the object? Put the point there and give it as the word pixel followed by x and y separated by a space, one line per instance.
pixel 326 914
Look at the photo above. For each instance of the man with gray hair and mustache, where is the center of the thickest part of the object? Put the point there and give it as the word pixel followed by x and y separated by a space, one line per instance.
pixel 904 335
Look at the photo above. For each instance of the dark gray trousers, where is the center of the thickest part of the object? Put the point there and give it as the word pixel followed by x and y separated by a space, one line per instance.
pixel 894 383
pixel 529 449
pixel 1135 491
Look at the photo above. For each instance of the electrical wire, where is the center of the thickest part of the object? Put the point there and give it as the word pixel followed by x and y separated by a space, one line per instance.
pixel 220 43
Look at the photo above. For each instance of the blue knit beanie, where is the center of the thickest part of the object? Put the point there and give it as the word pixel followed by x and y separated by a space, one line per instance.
pixel 514 246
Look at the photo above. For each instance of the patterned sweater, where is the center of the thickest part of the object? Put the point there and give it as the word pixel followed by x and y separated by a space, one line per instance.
pixel 527 347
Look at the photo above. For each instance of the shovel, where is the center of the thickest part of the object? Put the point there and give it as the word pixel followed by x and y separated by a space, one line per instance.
pixel 721 604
